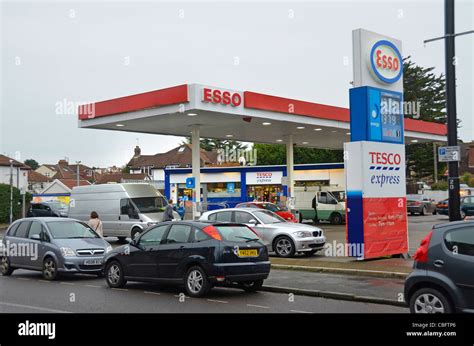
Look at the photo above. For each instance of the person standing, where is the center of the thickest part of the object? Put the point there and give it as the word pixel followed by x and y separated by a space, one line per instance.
pixel 314 204
pixel 168 213
pixel 96 224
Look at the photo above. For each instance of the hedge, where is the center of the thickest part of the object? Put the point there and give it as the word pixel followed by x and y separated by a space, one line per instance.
pixel 5 203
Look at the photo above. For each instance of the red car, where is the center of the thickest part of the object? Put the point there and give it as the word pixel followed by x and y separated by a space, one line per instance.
pixel 269 206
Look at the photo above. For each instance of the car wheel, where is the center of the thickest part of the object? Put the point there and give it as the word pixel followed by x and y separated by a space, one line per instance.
pixel 335 219
pixel 434 212
pixel 50 269
pixel 309 253
pixel 463 214
pixel 301 218
pixel 122 239
pixel 429 301
pixel 114 275
pixel 284 247
pixel 196 282
pixel 5 266
pixel 251 286
pixel 134 232
pixel 412 213
pixel 423 211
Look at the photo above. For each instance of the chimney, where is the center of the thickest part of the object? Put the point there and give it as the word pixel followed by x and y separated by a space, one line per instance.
pixel 62 163
pixel 137 151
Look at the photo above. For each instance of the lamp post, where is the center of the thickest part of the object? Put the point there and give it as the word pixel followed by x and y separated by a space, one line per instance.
pixel 77 172
pixel 11 191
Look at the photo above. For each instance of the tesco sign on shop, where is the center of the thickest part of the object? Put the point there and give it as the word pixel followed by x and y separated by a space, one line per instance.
pixel 386 62
pixel 221 97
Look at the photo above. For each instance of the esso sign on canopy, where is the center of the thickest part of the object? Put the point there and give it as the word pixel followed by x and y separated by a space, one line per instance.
pixel 385 62
pixel 221 97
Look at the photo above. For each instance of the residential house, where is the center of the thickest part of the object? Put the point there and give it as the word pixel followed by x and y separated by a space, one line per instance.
pixel 122 178
pixel 37 182
pixel 18 175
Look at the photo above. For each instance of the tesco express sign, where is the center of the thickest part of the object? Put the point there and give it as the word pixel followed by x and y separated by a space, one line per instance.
pixel 221 97
pixel 385 61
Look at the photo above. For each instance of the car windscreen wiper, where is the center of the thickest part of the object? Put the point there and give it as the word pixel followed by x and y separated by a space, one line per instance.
pixel 248 239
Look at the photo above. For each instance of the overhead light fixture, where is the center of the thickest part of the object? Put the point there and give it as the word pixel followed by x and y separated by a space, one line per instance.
pixel 192 114
pixel 266 124
pixel 348 133
pixel 318 129
pixel 414 140
pixel 334 131
pixel 229 136
pixel 119 125
pixel 279 140
pixel 300 128
pixel 305 143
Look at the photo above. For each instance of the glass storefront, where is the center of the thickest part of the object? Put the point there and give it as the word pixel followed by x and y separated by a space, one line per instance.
pixel 264 193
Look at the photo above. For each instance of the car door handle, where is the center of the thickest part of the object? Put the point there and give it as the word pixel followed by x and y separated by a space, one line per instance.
pixel 438 263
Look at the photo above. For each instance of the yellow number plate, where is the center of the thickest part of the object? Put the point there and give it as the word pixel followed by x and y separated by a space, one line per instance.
pixel 248 253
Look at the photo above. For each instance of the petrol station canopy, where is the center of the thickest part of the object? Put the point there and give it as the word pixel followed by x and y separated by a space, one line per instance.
pixel 238 115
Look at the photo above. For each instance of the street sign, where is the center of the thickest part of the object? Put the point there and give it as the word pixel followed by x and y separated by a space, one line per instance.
pixel 448 154
pixel 190 183
pixel 231 187
pixel 22 191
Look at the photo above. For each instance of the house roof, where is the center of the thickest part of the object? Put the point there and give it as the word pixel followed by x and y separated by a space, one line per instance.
pixel 35 177
pixel 5 161
pixel 470 157
pixel 181 156
pixel 118 177
pixel 70 183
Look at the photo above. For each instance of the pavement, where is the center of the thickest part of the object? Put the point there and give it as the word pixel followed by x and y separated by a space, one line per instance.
pixel 26 292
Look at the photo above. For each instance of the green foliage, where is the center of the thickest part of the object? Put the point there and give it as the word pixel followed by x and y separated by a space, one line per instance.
pixel 126 169
pixel 275 154
pixel 440 185
pixel 466 178
pixel 5 203
pixel 215 144
pixel 32 163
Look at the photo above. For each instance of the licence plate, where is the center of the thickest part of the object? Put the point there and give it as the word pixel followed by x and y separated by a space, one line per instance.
pixel 92 262
pixel 248 253
pixel 319 241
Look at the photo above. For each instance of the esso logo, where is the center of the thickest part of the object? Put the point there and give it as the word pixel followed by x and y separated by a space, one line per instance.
pixel 378 158
pixel 221 97
pixel 386 62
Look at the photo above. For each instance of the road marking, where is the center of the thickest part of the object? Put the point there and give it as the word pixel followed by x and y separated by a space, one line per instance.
pixel 179 296
pixel 121 289
pixel 148 292
pixel 46 281
pixel 301 312
pixel 35 308
pixel 24 279
pixel 93 286
pixel 258 306
pixel 217 301
pixel 66 283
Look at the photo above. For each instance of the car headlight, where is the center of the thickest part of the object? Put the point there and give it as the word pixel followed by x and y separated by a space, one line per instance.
pixel 302 234
pixel 108 249
pixel 67 252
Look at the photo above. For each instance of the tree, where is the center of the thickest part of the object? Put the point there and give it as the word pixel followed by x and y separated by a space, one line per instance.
pixel 275 154
pixel 424 98
pixel 5 202
pixel 32 163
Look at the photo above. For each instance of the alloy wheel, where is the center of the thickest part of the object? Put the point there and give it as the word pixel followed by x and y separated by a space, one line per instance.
pixel 428 303
pixel 284 247
pixel 4 265
pixel 49 270
pixel 195 281
pixel 113 274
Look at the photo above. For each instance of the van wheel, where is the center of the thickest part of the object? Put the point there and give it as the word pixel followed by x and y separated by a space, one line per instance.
pixel 284 247
pixel 196 282
pixel 301 218
pixel 423 211
pixel 134 232
pixel 114 275
pixel 251 286
pixel 50 269
pixel 5 266
pixel 335 219
pixel 429 301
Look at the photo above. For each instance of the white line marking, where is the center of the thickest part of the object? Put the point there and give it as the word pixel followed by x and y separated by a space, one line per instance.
pixel 178 296
pixel 93 286
pixel 24 279
pixel 217 301
pixel 66 283
pixel 258 306
pixel 301 312
pixel 120 289
pixel 148 292
pixel 35 308
pixel 46 281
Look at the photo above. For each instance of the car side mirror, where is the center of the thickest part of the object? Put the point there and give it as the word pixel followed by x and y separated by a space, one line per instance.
pixel 36 237
pixel 253 222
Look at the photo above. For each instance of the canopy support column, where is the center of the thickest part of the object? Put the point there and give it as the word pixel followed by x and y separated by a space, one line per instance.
pixel 289 170
pixel 196 170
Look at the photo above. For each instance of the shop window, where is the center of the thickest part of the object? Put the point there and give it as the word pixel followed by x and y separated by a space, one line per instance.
pixel 220 190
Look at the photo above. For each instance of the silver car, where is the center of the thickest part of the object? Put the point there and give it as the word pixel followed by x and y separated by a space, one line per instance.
pixel 53 246
pixel 282 237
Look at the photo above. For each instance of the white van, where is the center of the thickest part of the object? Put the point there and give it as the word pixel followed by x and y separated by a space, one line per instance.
pixel 331 203
pixel 124 209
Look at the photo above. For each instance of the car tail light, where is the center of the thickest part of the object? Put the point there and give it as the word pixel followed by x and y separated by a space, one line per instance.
pixel 421 254
pixel 212 232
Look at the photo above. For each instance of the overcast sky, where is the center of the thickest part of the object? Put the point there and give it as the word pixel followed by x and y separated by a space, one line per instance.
pixel 60 53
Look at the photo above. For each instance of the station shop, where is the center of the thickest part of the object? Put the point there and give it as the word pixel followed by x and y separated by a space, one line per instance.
pixel 231 185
